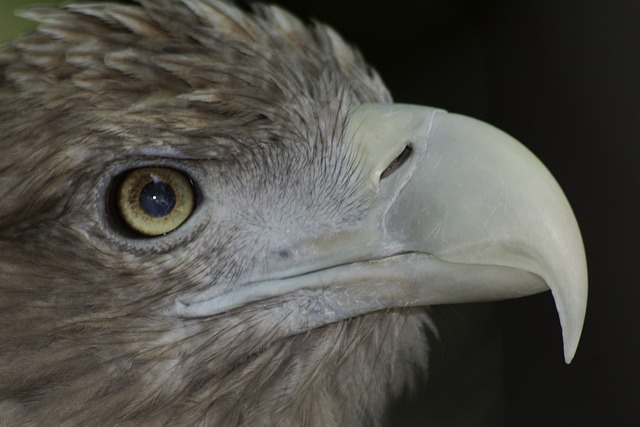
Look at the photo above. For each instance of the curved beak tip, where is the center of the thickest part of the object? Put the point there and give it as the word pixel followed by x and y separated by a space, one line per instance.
pixel 571 312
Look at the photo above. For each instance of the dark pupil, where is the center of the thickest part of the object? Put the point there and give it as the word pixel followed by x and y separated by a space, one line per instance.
pixel 157 199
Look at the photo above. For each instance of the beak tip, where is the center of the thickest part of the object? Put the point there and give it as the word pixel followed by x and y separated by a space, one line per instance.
pixel 571 341
pixel 570 348
pixel 572 315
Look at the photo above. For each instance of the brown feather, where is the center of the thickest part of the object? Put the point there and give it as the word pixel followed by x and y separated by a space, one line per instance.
pixel 254 105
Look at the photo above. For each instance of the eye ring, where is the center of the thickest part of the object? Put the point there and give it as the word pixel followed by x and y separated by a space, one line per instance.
pixel 154 201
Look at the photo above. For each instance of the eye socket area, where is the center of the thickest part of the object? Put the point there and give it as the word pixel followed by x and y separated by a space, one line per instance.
pixel 153 201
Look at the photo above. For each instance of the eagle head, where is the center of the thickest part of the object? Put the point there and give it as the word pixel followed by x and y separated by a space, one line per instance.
pixel 218 216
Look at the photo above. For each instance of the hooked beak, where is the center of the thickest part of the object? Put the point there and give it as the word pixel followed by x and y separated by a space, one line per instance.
pixel 464 214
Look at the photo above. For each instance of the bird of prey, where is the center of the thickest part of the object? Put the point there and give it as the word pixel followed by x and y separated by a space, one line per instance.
pixel 215 215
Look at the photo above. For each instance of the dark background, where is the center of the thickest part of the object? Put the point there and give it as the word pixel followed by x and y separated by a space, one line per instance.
pixel 563 78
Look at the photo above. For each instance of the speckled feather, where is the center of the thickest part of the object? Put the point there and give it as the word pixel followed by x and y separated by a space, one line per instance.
pixel 253 105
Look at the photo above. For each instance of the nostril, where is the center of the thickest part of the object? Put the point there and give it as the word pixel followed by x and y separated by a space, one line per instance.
pixel 397 162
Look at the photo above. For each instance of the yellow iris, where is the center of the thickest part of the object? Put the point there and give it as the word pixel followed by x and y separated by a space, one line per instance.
pixel 155 201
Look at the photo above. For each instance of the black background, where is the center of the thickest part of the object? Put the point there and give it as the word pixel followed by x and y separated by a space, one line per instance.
pixel 563 77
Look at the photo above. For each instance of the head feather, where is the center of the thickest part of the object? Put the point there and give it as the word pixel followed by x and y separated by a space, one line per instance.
pixel 84 329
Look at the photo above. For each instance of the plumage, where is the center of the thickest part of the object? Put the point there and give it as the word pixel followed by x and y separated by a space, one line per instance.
pixel 253 106
pixel 102 87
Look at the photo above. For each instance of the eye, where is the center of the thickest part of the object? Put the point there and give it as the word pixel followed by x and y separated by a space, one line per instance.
pixel 397 162
pixel 154 201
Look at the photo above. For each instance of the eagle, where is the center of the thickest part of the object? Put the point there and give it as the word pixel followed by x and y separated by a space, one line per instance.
pixel 216 215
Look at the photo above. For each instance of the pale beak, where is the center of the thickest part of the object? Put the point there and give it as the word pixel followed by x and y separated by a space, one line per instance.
pixel 476 196
pixel 469 215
